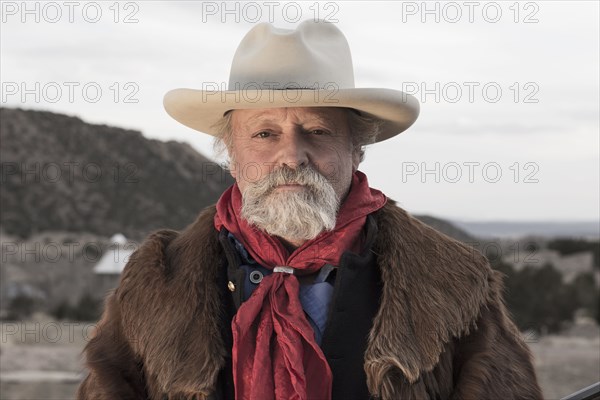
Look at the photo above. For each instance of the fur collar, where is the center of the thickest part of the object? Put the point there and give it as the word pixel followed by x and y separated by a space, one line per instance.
pixel 434 289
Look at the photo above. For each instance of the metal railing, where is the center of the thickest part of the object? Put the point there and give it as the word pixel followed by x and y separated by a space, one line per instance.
pixel 591 392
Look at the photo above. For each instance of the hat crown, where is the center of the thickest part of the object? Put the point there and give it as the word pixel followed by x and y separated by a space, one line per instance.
pixel 316 55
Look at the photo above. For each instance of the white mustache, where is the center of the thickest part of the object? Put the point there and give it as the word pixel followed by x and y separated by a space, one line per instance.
pixel 305 176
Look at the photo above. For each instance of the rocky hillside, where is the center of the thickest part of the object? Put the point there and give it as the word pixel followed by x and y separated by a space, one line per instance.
pixel 448 228
pixel 62 174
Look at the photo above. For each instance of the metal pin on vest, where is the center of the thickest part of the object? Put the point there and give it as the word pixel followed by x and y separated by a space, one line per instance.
pixel 284 268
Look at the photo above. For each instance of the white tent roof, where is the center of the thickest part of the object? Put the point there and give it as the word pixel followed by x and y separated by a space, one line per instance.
pixel 118 238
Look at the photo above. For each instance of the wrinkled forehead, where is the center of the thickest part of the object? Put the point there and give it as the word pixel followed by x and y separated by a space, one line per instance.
pixel 333 116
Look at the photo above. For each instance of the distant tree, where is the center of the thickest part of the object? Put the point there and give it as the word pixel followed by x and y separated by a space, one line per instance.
pixel 87 309
pixel 62 311
pixel 505 268
pixel 567 246
pixel 20 307
pixel 588 298
pixel 537 297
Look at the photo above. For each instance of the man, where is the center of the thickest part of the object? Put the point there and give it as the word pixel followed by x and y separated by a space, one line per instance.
pixel 303 282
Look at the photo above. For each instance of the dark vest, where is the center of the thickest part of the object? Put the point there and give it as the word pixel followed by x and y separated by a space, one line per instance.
pixel 354 304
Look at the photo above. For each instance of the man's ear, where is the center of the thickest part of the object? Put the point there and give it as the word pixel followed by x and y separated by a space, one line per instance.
pixel 232 164
pixel 356 156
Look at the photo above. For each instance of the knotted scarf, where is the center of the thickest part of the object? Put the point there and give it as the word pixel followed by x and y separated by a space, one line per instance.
pixel 275 355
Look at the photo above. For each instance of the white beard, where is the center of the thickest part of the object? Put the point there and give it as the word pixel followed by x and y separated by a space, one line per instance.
pixel 295 215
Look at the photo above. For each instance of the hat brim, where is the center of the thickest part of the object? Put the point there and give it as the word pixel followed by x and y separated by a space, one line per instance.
pixel 201 109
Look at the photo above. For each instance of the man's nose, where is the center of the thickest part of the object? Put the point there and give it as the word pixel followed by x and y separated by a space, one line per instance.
pixel 293 151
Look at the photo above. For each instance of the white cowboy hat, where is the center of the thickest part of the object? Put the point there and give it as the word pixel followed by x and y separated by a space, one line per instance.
pixel 307 67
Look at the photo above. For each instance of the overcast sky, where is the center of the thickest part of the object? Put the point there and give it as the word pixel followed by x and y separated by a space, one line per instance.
pixel 509 92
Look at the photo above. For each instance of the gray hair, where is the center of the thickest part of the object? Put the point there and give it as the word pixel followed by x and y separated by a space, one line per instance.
pixel 364 130
pixel 224 138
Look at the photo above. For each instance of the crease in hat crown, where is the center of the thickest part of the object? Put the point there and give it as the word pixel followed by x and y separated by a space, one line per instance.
pixel 310 66
pixel 316 55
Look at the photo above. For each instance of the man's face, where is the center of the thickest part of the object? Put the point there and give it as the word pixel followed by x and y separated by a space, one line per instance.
pixel 294 167
pixel 266 139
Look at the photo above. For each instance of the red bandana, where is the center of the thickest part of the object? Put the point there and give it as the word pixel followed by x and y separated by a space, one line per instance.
pixel 275 355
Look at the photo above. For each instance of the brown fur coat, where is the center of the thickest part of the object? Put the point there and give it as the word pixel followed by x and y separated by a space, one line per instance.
pixel 442 330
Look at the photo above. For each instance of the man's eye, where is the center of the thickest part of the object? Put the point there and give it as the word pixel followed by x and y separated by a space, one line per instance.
pixel 319 132
pixel 263 134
